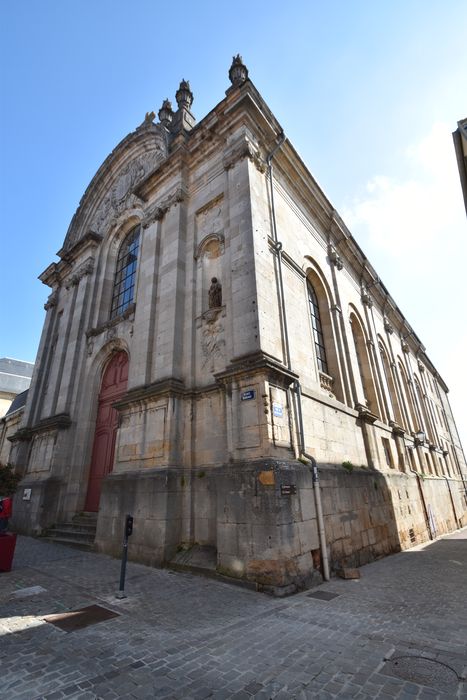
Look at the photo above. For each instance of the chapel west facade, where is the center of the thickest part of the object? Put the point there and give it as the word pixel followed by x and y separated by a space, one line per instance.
pixel 212 328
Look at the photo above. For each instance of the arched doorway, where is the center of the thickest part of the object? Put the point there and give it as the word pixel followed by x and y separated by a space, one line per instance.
pixel 113 386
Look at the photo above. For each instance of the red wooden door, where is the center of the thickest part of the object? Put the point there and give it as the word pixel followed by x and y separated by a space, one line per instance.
pixel 113 386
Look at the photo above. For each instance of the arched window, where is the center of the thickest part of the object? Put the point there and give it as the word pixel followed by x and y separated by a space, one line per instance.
pixel 364 365
pixel 390 384
pixel 318 337
pixel 413 422
pixel 125 275
pixel 426 424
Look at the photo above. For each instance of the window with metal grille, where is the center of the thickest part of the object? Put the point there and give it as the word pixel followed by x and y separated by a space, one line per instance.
pixel 125 276
pixel 317 329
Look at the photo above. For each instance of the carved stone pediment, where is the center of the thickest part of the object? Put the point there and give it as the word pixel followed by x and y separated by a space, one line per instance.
pixel 120 196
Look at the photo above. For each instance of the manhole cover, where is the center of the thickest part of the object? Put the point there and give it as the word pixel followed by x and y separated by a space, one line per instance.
pixel 422 671
pixel 77 619
pixel 322 595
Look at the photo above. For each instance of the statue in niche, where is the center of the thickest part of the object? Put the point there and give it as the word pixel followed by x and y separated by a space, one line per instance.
pixel 215 294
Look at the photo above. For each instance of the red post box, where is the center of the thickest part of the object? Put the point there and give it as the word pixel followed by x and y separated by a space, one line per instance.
pixel 7 550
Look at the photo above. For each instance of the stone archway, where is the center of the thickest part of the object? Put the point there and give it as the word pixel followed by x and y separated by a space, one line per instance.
pixel 113 386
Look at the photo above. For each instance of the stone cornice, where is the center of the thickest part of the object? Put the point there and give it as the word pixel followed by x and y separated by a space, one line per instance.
pixel 365 414
pixel 127 314
pixel 51 275
pixel 256 363
pixel 89 240
pixel 243 148
pixel 166 387
pixel 61 421
pixel 84 269
pixel 396 429
pixel 158 210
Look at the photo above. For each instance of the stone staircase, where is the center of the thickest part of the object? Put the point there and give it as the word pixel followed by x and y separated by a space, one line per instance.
pixel 80 532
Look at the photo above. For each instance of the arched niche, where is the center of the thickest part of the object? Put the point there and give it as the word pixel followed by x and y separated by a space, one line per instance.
pixel 209 257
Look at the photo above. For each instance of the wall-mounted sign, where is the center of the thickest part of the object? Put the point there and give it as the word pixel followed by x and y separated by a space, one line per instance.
pixel 26 494
pixel 288 489
pixel 277 410
pixel 248 395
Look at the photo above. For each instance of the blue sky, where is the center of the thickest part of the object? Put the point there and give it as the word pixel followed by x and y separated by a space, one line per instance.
pixel 367 91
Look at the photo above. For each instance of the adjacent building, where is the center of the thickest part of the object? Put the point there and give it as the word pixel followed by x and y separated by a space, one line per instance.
pixel 214 332
pixel 460 144
pixel 15 377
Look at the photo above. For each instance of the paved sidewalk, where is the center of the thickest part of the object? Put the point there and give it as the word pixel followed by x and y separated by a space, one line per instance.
pixel 398 632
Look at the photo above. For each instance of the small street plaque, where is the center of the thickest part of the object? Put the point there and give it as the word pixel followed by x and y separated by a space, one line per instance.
pixel 288 489
pixel 277 410
pixel 248 395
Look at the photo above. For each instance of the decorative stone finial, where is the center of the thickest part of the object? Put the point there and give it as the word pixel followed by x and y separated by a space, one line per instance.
pixel 238 72
pixel 165 113
pixel 184 96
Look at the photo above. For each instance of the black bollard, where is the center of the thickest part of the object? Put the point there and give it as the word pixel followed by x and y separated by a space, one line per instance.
pixel 127 532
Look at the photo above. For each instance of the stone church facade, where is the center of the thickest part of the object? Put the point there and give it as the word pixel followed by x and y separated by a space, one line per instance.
pixel 213 333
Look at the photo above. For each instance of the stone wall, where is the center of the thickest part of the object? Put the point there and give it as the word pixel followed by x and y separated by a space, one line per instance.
pixel 260 517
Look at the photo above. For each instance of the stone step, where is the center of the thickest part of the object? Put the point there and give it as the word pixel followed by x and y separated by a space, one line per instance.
pixel 80 532
pixel 69 533
pixel 76 527
pixel 85 519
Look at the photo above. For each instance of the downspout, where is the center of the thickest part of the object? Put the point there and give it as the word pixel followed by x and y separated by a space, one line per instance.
pixel 425 510
pixel 316 487
pixel 297 388
pixel 452 502
pixel 278 249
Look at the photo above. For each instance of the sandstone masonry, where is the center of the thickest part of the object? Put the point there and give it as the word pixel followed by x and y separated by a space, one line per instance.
pixel 213 331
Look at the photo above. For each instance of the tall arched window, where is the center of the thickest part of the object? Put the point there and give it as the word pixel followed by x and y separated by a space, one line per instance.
pixel 125 275
pixel 390 384
pixel 317 329
pixel 413 422
pixel 424 417
pixel 364 365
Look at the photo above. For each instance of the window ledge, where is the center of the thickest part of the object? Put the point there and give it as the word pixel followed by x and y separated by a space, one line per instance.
pixel 128 314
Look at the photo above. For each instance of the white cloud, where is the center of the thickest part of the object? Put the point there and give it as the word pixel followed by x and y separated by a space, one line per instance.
pixel 414 229
pixel 408 215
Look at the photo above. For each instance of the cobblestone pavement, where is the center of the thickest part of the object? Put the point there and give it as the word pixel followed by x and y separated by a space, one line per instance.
pixel 398 632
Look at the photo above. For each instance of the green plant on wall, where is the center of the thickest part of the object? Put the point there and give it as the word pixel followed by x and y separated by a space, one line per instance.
pixel 348 466
pixel 8 480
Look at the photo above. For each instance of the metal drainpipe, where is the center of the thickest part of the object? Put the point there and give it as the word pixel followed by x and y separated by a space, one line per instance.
pixel 316 487
pixel 297 388
pixel 452 501
pixel 425 509
pixel 278 249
